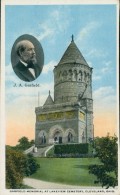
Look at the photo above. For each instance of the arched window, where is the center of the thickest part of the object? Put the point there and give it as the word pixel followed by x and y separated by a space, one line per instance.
pixel 70 75
pixel 83 137
pixel 80 76
pixel 88 78
pixel 60 76
pixel 43 139
pixel 85 76
pixel 75 75
pixel 65 75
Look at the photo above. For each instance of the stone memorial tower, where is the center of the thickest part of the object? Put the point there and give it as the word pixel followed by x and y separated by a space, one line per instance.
pixel 69 117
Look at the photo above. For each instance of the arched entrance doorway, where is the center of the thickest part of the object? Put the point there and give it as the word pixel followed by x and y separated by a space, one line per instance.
pixel 56 134
pixel 58 137
pixel 70 137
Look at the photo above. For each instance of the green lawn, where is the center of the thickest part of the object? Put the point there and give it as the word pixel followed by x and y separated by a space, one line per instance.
pixel 73 171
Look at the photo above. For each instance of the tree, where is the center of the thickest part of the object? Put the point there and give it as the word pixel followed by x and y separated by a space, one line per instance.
pixel 31 165
pixel 107 152
pixel 15 168
pixel 18 165
pixel 32 142
pixel 24 144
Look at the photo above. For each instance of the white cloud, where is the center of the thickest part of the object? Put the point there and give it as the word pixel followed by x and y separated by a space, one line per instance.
pixel 55 14
pixel 104 99
pixel 49 67
pixel 10 76
pixel 57 22
pixel 60 19
pixel 96 77
pixel 47 31
pixel 95 53
pixel 107 67
pixel 103 92
pixel 86 31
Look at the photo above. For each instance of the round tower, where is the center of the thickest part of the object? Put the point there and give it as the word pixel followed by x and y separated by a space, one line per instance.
pixel 72 76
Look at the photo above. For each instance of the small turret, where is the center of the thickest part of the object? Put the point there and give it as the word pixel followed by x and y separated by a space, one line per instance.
pixel 49 100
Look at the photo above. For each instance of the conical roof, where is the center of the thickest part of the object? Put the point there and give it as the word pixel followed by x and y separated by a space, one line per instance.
pixel 73 55
pixel 49 100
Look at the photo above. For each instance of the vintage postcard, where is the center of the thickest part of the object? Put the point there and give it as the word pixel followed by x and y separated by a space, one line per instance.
pixel 59 97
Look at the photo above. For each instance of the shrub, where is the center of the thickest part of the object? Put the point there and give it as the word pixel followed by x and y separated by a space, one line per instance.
pixel 31 165
pixel 71 149
pixel 15 168
pixel 107 151
pixel 18 165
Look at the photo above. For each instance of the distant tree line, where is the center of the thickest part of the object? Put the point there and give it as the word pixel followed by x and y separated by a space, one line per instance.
pixel 23 144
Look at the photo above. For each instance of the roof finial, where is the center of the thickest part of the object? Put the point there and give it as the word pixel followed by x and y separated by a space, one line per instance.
pixel 49 92
pixel 72 38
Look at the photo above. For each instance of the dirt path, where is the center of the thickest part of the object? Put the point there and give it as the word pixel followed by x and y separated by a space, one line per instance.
pixel 39 184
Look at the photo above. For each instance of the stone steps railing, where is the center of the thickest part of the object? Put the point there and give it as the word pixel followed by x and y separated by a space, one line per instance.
pixel 48 150
pixel 34 149
pixel 29 150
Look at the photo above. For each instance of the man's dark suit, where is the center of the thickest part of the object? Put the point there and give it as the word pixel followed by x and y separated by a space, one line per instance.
pixel 23 72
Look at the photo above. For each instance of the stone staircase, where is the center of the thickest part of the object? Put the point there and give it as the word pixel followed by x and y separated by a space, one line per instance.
pixel 41 152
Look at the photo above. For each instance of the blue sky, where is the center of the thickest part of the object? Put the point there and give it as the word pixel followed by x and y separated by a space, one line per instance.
pixel 94 30
pixel 93 26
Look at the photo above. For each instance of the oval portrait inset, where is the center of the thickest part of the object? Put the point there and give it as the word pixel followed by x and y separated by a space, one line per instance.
pixel 27 58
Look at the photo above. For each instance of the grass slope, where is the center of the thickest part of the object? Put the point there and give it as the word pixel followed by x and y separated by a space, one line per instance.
pixel 73 171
